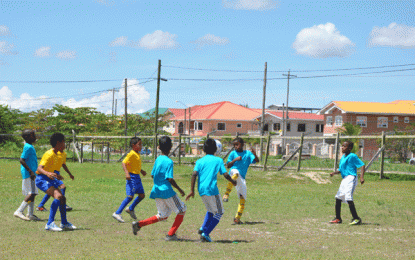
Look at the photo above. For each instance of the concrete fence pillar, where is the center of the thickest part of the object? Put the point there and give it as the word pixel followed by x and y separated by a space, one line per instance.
pixel 287 149
pixel 276 149
pixel 331 149
pixel 314 151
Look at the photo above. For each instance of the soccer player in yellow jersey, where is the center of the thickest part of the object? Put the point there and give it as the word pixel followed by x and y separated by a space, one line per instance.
pixel 132 168
pixel 49 181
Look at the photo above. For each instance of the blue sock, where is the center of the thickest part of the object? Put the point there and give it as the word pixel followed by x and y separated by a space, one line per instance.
pixel 63 191
pixel 53 208
pixel 124 203
pixel 62 209
pixel 213 223
pixel 44 200
pixel 206 222
pixel 135 202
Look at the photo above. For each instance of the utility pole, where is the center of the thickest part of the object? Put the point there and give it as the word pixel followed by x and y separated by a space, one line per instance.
pixel 288 94
pixel 157 111
pixel 115 109
pixel 263 111
pixel 188 142
pixel 125 112
pixel 283 127
pixel 113 92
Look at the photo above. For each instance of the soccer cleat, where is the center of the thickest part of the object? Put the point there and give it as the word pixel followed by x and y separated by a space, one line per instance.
pixel 136 227
pixel 68 226
pixel 132 213
pixel 33 218
pixel 237 221
pixel 172 238
pixel 205 238
pixel 68 208
pixel 20 215
pixel 118 217
pixel 200 231
pixel 225 198
pixel 41 209
pixel 52 227
pixel 356 221
pixel 335 221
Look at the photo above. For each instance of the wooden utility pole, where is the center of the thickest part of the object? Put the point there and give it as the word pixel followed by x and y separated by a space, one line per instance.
pixel 113 96
pixel 263 111
pixel 288 93
pixel 283 126
pixel 125 112
pixel 157 111
pixel 115 110
pixel 188 142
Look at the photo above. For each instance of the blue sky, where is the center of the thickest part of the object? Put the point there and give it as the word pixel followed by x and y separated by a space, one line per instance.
pixel 112 40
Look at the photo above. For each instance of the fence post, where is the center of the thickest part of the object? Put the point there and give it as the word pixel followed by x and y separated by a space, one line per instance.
pixel 336 158
pixel 180 147
pixel 266 155
pixel 74 148
pixel 92 150
pixel 102 153
pixel 300 152
pixel 82 152
pixel 382 156
pixel 108 152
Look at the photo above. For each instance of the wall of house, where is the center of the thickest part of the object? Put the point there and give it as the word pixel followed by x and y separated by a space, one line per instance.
pixel 230 127
pixel 309 131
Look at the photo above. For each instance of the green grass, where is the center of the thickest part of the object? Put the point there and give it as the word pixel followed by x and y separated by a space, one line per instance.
pixel 287 218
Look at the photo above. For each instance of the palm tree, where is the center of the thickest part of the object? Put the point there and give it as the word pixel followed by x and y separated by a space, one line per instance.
pixel 349 129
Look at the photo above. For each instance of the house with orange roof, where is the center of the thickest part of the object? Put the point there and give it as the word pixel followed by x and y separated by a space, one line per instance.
pixel 373 117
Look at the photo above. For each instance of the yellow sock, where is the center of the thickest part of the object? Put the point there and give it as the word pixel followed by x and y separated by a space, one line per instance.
pixel 230 185
pixel 241 208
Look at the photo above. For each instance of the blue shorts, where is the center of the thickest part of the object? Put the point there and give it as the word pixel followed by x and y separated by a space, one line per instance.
pixel 58 181
pixel 134 186
pixel 43 182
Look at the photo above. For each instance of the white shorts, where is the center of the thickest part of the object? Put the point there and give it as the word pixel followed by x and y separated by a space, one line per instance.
pixel 240 183
pixel 29 187
pixel 213 204
pixel 346 189
pixel 166 206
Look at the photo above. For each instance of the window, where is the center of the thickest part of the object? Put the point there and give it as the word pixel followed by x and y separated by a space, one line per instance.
pixel 288 127
pixel 266 127
pixel 174 124
pixel 200 125
pixel 181 128
pixel 195 125
pixel 319 128
pixel 382 122
pixel 361 121
pixel 339 121
pixel 277 126
pixel 322 128
pixel 395 119
pixel 221 127
pixel 301 128
pixel 406 120
pixel 329 121
pixel 238 125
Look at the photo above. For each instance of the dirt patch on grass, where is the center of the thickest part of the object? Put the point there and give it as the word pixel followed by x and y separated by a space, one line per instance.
pixel 317 177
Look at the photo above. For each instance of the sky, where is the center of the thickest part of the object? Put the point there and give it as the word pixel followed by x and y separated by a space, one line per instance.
pixel 79 53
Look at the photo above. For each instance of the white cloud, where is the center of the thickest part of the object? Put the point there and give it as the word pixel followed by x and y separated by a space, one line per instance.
pixel 4 30
pixel 66 55
pixel 7 48
pixel 210 39
pixel 155 40
pixel 105 2
pixel 395 35
pixel 43 52
pixel 259 5
pixel 322 41
pixel 138 100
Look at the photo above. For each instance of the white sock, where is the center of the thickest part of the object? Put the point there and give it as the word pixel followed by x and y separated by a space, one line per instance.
pixel 30 208
pixel 22 206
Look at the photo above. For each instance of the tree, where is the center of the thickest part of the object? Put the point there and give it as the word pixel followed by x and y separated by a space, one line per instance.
pixel 351 130
pixel 8 122
pixel 399 149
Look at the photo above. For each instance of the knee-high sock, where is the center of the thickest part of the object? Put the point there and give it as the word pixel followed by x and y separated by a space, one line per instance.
pixel 352 209
pixel 230 185
pixel 177 222
pixel 206 222
pixel 44 200
pixel 62 209
pixel 124 203
pixel 241 208
pixel 213 223
pixel 30 208
pixel 53 208
pixel 338 208
pixel 22 206
pixel 135 202
pixel 149 221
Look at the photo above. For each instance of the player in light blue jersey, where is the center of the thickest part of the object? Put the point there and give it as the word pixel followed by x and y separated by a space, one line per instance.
pixel 348 169
pixel 207 169
pixel 239 161
pixel 163 193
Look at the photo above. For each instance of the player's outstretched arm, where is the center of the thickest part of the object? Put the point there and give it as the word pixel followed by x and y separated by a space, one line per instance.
pixel 143 172
pixel 335 172
pixel 254 153
pixel 362 175
pixel 192 186
pixel 68 171
pixel 174 184
pixel 127 174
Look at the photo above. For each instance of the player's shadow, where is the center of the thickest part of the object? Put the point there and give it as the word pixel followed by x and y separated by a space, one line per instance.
pixel 232 241
pixel 253 223
pixel 370 224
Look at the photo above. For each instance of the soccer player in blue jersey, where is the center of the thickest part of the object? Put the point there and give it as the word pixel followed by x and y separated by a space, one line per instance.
pixel 163 193
pixel 348 169
pixel 207 169
pixel 49 181
pixel 239 161
pixel 28 161
pixel 132 168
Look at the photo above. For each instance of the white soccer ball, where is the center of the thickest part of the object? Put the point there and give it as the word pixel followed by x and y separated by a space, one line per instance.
pixel 219 147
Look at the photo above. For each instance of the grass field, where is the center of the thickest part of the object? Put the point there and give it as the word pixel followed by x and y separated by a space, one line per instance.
pixel 286 217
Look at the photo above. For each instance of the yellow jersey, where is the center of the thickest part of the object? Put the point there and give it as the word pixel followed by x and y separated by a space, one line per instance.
pixel 133 162
pixel 53 162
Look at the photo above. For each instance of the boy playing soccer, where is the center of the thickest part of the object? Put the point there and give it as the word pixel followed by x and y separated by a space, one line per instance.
pixel 207 169
pixel 28 160
pixel 49 181
pixel 132 168
pixel 163 193
pixel 239 161
pixel 348 169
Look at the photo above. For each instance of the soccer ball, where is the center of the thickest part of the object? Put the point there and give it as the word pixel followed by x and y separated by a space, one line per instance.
pixel 219 147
